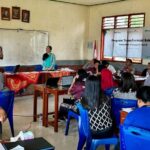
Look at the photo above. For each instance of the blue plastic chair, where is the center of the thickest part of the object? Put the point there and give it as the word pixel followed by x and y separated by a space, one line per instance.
pixel 38 68
pixel 85 133
pixel 9 68
pixel 71 114
pixel 109 91
pixel 118 104
pixel 133 138
pixel 7 103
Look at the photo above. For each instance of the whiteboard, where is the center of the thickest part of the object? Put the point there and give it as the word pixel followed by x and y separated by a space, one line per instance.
pixel 24 47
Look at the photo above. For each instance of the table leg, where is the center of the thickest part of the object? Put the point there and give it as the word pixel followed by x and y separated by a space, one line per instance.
pixel 45 110
pixel 56 113
pixel 35 106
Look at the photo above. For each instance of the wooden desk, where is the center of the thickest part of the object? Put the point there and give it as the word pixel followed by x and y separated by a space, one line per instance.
pixel 56 92
pixel 38 88
pixel 45 91
pixel 123 115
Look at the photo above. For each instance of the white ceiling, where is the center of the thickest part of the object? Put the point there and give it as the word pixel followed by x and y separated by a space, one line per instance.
pixel 88 2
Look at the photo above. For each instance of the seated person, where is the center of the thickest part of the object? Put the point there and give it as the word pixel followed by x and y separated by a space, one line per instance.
pixel 99 108
pixel 75 90
pixel 97 64
pixel 140 116
pixel 89 66
pixel 127 87
pixel 128 67
pixel 146 71
pixel 109 67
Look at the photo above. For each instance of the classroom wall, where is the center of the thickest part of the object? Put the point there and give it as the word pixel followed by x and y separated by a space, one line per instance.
pixel 117 8
pixel 67 25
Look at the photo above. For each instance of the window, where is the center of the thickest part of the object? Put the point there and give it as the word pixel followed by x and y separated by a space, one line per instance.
pixel 118 33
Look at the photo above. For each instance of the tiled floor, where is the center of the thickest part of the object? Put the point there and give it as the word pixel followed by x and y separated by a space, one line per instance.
pixel 23 111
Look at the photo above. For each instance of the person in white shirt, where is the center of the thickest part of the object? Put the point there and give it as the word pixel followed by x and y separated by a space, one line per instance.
pixel 109 67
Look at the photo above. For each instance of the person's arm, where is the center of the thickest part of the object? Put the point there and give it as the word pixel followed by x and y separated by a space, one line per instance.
pixel 3 115
pixel 74 79
pixel 53 62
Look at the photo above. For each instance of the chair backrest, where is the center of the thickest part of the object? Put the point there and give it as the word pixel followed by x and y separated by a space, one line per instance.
pixel 9 68
pixel 38 68
pixel 118 104
pixel 7 101
pixel 133 138
pixel 84 124
pixel 109 91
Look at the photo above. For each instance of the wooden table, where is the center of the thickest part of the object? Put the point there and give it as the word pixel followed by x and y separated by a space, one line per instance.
pixel 38 89
pixel 56 92
pixel 123 115
pixel 45 91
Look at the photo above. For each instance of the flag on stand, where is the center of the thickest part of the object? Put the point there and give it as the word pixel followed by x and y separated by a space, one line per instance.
pixel 95 52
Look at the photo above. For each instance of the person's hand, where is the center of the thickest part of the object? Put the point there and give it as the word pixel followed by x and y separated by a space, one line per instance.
pixel 3 115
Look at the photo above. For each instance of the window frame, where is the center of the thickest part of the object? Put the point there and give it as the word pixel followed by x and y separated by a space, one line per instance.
pixel 115 23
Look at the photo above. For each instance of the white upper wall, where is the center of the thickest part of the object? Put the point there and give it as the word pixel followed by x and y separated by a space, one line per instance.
pixel 67 25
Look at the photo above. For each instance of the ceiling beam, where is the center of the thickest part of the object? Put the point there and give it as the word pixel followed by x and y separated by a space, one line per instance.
pixel 61 1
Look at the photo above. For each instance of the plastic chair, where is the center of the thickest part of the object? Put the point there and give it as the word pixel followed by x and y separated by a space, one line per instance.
pixel 7 103
pixel 109 91
pixel 133 138
pixel 85 133
pixel 118 104
pixel 70 115
pixel 38 68
pixel 9 68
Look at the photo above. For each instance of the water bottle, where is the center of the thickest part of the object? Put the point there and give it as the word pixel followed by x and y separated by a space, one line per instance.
pixel 40 121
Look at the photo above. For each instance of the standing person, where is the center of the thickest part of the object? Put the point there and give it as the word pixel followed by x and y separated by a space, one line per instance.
pixel 1 52
pixel 49 60
pixel 140 116
pixel 109 67
pixel 99 108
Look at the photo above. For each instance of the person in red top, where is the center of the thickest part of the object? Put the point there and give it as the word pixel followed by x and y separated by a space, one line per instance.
pixel 106 78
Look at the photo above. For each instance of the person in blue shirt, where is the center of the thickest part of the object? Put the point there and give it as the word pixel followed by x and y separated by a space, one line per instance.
pixel 49 60
pixel 140 116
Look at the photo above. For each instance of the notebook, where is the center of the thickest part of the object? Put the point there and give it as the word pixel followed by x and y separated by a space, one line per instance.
pixel 52 82
pixel 66 81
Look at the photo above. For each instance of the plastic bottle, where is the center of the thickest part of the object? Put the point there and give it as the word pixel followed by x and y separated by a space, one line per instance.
pixel 40 121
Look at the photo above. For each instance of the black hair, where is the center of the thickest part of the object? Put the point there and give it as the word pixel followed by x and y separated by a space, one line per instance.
pixel 129 60
pixel 45 56
pixel 50 47
pixel 93 96
pixel 82 74
pixel 144 94
pixel 96 61
pixel 105 62
pixel 127 82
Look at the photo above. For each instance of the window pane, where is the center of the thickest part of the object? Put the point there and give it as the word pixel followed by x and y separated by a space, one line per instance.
pixel 108 23
pixel 137 20
pixel 122 22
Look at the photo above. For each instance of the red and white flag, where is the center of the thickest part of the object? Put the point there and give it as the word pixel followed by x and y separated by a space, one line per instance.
pixel 95 52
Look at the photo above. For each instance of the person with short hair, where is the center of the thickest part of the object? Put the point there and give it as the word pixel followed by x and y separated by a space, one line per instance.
pixel 49 60
pixel 140 116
